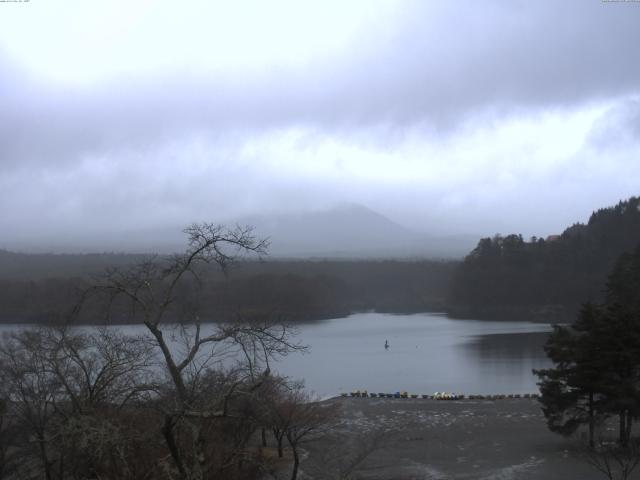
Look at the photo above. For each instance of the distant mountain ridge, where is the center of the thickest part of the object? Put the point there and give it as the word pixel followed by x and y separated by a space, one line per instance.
pixel 344 231
pixel 353 231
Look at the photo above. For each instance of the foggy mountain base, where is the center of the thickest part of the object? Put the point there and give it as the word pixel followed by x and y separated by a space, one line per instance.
pixel 345 231
pixel 504 277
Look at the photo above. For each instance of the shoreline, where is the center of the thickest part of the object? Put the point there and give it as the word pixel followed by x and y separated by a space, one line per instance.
pixel 440 396
pixel 467 439
pixel 520 315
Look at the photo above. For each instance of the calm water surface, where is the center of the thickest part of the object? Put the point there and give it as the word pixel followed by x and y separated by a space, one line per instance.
pixel 428 352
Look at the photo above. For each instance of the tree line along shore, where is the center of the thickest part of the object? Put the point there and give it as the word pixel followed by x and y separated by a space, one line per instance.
pixel 504 277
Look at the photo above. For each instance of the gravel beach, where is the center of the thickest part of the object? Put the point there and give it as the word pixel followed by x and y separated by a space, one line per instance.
pixel 444 439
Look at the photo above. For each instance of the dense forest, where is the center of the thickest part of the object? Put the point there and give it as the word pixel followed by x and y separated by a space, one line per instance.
pixel 291 290
pixel 508 276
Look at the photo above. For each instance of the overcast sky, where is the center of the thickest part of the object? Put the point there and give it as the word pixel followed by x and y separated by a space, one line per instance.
pixel 447 117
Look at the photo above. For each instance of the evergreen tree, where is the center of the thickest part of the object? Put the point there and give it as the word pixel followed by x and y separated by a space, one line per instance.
pixel 570 391
pixel 622 339
pixel 597 359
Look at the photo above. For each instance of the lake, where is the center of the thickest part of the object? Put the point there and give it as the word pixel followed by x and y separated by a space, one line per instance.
pixel 428 352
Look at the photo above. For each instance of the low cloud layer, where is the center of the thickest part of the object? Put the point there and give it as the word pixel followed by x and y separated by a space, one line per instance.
pixel 454 117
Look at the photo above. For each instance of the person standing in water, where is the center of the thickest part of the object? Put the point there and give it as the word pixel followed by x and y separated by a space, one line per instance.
pixel 386 344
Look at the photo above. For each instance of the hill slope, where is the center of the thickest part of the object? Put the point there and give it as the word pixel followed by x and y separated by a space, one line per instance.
pixel 352 231
pixel 506 276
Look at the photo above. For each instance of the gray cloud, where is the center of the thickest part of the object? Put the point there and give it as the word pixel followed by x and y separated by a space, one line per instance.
pixel 173 144
pixel 433 63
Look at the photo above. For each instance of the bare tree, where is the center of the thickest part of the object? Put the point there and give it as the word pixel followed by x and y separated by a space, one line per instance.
pixel 102 375
pixel 105 367
pixel 58 386
pixel 7 465
pixel 31 389
pixel 339 456
pixel 268 401
pixel 297 415
pixel 153 293
pixel 180 401
pixel 613 460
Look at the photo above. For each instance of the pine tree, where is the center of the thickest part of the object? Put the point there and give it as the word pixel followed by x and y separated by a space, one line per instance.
pixel 621 337
pixel 570 392
pixel 597 360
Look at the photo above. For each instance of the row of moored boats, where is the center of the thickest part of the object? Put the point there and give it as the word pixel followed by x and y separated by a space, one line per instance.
pixel 438 395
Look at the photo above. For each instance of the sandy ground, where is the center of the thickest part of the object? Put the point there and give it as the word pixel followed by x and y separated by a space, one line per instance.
pixel 431 439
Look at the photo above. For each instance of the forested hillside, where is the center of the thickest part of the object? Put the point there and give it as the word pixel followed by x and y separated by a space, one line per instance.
pixel 292 290
pixel 513 277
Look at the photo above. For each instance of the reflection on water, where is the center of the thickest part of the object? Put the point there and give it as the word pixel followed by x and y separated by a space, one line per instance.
pixel 427 353
pixel 507 346
pixel 504 361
